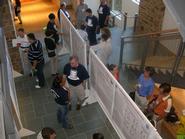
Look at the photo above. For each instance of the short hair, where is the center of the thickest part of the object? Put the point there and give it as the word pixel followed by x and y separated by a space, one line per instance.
pixel 21 29
pixel 150 70
pixel 46 132
pixel 106 34
pixel 88 10
pixel 98 136
pixel 63 4
pixel 48 33
pixel 74 57
pixel 51 16
pixel 166 87
pixel 31 36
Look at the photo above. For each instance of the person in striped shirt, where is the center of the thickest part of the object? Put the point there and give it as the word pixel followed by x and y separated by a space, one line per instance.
pixel 35 56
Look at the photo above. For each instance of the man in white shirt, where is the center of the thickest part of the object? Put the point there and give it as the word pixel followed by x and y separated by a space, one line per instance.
pixel 80 13
pixel 23 44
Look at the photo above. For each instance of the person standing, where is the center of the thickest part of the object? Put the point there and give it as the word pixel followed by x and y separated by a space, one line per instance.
pixel 144 88
pixel 52 27
pixel 62 98
pixel 76 75
pixel 18 10
pixel 35 56
pixel 104 48
pixel 80 13
pixel 91 27
pixel 103 14
pixel 63 9
pixel 51 50
pixel 23 44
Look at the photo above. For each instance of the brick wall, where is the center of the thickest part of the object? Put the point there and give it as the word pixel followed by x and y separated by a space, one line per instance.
pixel 7 24
pixel 151 15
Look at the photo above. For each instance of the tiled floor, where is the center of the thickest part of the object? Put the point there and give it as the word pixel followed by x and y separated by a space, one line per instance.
pixel 38 109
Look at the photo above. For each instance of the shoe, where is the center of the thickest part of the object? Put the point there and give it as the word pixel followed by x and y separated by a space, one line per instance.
pixel 78 106
pixel 37 86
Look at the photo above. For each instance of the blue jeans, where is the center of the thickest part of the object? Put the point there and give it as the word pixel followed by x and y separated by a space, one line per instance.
pixel 40 73
pixel 62 115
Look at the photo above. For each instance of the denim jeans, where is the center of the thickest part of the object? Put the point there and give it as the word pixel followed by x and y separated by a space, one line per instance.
pixel 40 74
pixel 62 115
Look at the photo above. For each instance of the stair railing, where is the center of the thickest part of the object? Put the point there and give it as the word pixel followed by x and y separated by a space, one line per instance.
pixel 155 37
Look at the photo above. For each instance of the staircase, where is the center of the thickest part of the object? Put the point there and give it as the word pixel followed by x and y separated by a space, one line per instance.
pixel 144 50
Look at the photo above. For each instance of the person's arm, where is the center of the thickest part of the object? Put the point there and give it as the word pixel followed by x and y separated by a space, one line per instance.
pixel 169 106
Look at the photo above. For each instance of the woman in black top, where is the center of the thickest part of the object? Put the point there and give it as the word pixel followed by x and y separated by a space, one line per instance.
pixel 62 98
pixel 52 27
pixel 51 49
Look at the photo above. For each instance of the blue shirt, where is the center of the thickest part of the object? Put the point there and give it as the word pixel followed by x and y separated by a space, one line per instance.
pixel 146 86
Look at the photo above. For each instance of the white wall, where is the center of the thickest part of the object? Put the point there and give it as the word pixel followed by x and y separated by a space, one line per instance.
pixel 93 4
pixel 131 8
pixel 170 23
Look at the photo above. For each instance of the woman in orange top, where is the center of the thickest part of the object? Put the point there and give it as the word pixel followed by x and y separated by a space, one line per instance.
pixel 114 70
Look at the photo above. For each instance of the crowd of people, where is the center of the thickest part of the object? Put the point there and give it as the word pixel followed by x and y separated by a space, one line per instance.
pixel 68 89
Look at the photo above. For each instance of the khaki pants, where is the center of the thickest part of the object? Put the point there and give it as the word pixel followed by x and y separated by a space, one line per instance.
pixel 77 92
pixel 141 101
pixel 54 64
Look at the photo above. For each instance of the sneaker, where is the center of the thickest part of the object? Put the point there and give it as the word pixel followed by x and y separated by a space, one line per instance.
pixel 37 87
pixel 78 107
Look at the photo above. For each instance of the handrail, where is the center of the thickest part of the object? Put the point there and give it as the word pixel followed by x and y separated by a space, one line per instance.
pixel 153 33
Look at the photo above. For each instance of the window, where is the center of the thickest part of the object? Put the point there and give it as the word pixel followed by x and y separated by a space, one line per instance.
pixel 116 4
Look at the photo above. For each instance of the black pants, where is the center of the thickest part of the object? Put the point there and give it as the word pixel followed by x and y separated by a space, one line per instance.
pixel 92 37
pixel 40 73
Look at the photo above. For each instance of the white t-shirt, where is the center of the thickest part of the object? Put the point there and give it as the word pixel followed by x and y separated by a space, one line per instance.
pixel 23 41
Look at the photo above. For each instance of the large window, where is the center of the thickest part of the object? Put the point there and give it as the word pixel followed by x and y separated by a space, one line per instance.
pixel 116 4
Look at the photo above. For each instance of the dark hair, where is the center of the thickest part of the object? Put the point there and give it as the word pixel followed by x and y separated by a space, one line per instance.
pixel 46 132
pixel 89 10
pixel 82 27
pixel 166 87
pixel 31 36
pixel 21 29
pixel 51 16
pixel 150 70
pixel 98 136
pixel 106 31
pixel 56 82
pixel 74 57
pixel 111 67
pixel 48 33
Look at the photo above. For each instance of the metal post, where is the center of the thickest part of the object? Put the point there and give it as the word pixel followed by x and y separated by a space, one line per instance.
pixel 180 53
pixel 121 53
pixel 125 21
pixel 144 56
pixel 135 21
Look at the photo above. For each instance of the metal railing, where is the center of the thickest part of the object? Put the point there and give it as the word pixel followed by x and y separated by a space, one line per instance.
pixel 125 18
pixel 151 49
